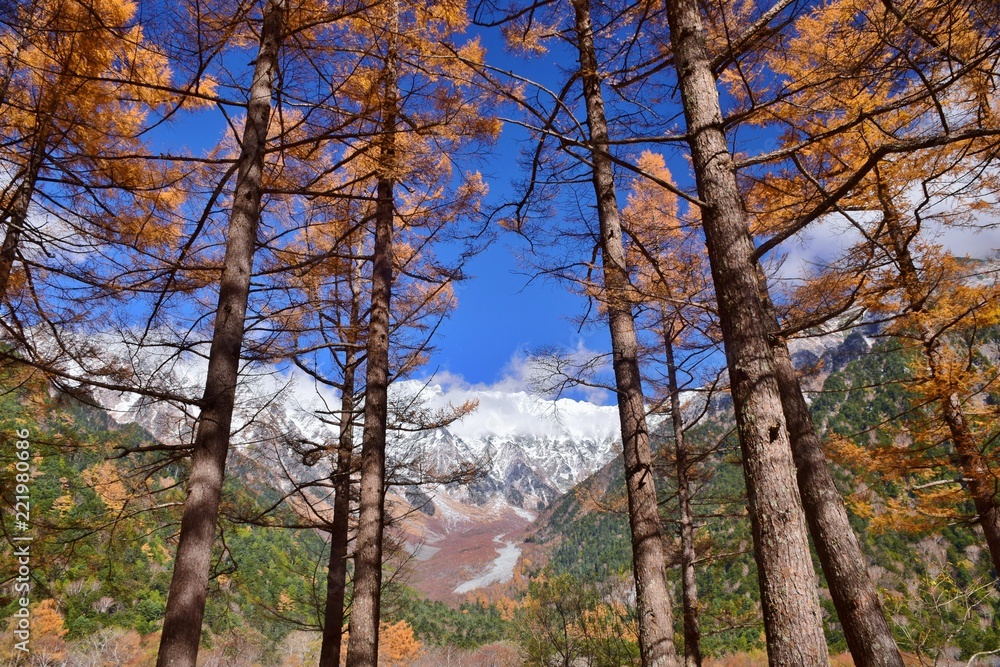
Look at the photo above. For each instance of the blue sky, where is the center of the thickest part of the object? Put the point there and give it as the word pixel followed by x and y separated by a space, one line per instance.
pixel 502 316
pixel 504 313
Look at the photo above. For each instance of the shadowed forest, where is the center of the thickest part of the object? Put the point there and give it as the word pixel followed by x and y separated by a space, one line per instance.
pixel 233 232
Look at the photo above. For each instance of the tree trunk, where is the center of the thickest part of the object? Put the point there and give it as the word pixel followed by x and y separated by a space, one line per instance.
pixel 858 606
pixel 982 484
pixel 689 585
pixel 336 578
pixel 362 647
pixel 789 597
pixel 188 587
pixel 656 633
pixel 15 216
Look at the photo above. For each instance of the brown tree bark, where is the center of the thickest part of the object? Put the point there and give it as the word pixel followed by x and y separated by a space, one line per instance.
pixel 788 586
pixel 982 484
pixel 189 585
pixel 362 646
pixel 689 585
pixel 336 577
pixel 858 606
pixel 656 633
pixel 15 216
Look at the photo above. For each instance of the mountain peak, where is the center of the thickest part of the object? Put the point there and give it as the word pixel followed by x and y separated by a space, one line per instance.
pixel 504 414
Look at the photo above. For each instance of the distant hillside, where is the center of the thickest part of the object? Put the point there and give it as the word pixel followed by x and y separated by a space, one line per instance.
pixel 104 528
pixel 531 450
pixel 935 583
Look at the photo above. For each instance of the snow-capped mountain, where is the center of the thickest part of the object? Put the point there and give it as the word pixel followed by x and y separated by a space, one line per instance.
pixel 533 449
pixel 464 536
pixel 833 349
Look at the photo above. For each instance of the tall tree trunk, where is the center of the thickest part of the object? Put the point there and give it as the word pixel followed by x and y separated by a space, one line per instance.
pixel 858 607
pixel 689 585
pixel 189 585
pixel 15 215
pixel 362 647
pixel 980 481
pixel 336 578
pixel 656 632
pixel 788 584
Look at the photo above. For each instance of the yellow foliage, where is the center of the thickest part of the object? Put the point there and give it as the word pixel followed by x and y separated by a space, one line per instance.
pixel 63 504
pixel 506 606
pixel 105 480
pixel 84 88
pixel 47 632
pixel 397 645
pixel 528 35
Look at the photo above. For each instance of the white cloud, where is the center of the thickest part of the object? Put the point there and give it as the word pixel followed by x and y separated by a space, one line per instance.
pixel 816 246
pixel 978 240
pixel 976 235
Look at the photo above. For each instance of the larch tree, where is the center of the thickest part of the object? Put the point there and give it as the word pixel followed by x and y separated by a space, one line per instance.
pixel 189 584
pixel 336 589
pixel 337 293
pixel 844 565
pixel 848 126
pixel 567 153
pixel 416 108
pixel 941 314
pixel 859 609
pixel 838 57
pixel 331 338
pixel 939 307
pixel 656 641
pixel 78 82
pixel 789 598
pixel 674 284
